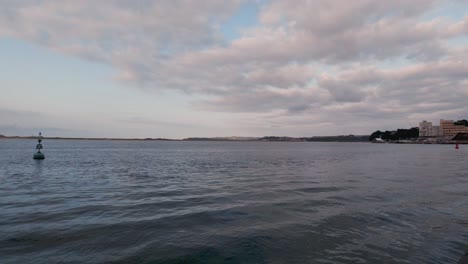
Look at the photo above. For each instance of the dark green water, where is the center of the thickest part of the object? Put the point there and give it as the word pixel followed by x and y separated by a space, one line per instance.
pixel 232 202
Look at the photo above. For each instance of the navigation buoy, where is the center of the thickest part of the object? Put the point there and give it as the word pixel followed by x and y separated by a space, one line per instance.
pixel 39 155
pixel 456 146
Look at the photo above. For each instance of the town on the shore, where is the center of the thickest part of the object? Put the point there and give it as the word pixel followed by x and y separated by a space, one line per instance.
pixel 447 132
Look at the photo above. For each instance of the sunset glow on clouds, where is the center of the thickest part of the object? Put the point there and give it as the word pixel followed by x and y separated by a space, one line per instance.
pixel 247 68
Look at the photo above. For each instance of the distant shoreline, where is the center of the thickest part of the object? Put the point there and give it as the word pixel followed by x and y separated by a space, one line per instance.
pixel 349 138
pixel 331 139
pixel 73 138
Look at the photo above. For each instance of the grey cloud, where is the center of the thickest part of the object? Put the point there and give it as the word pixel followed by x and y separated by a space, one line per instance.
pixel 297 108
pixel 343 91
pixel 151 42
pixel 108 29
pixel 14 116
pixel 426 91
pixel 153 122
pixel 13 113
pixel 267 100
pixel 19 130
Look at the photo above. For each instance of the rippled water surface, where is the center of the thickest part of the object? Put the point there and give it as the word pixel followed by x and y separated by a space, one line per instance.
pixel 232 202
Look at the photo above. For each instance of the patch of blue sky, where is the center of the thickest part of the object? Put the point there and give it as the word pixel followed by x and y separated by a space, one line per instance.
pixel 459 41
pixel 395 63
pixel 28 71
pixel 453 9
pixel 245 17
pixel 17 52
pixel 36 78
pixel 323 68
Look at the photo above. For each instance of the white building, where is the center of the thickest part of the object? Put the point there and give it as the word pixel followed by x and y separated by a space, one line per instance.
pixel 425 129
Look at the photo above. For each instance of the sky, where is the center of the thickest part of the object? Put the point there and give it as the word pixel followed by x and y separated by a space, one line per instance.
pixel 204 68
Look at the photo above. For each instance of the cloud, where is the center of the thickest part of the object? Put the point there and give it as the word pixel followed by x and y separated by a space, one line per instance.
pixel 349 60
pixel 118 32
pixel 266 100
pixel 12 113
pixel 13 116
pixel 16 130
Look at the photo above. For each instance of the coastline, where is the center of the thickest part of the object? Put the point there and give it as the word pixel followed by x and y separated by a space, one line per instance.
pixel 336 139
pixel 80 138
pixel 350 138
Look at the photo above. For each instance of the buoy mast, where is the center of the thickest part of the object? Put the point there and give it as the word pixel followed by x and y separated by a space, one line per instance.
pixel 39 155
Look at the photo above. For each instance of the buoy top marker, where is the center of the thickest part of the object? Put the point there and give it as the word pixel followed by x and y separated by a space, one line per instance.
pixel 39 155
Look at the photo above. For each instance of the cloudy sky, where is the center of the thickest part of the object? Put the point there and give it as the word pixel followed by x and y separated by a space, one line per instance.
pixel 180 68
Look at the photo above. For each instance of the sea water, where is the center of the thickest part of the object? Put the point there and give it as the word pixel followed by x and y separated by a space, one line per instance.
pixel 232 202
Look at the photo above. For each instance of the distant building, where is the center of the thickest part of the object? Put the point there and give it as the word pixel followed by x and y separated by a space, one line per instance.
pixel 450 130
pixel 425 129
pixel 447 129
pixel 437 131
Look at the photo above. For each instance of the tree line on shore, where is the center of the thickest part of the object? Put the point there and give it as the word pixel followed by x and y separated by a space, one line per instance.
pixel 462 122
pixel 399 134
